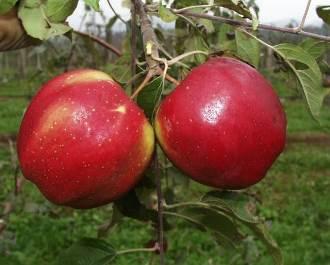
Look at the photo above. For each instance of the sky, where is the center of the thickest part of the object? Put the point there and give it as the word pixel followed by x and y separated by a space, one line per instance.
pixel 271 11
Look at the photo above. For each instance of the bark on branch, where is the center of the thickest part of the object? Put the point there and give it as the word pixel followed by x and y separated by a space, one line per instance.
pixel 100 41
pixel 247 24
pixel 149 37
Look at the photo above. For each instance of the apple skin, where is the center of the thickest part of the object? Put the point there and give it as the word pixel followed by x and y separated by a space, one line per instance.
pixel 223 125
pixel 83 141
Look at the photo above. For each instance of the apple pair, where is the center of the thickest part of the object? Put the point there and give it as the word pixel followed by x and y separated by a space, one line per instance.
pixel 85 143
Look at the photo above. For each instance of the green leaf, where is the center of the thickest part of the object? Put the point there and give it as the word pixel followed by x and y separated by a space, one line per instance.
pixel 324 13
pixel 315 48
pixel 184 3
pixel 207 24
pixel 223 41
pixel 196 43
pixel 120 70
pixel 255 20
pixel 236 5
pixel 221 225
pixel 95 4
pixel 115 219
pixel 234 203
pixel 263 235
pixel 112 21
pixel 36 24
pixel 33 21
pixel 88 251
pixel 309 76
pixel 166 15
pixel 130 206
pixel 248 49
pixel 56 29
pixel 59 10
pixel 6 5
pixel 225 213
pixel 150 96
pixel 32 3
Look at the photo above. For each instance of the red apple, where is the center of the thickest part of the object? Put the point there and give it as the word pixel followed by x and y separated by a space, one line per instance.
pixel 223 125
pixel 82 141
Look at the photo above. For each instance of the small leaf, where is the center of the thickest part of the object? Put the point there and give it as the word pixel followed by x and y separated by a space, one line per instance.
pixel 150 96
pixel 248 49
pixel 59 10
pixel 184 3
pixel 309 78
pixel 324 13
pixel 120 70
pixel 130 206
pixel 6 5
pixel 218 223
pixel 255 20
pixel 236 5
pixel 88 251
pixel 95 4
pixel 115 219
pixel 234 203
pixel 56 29
pixel 166 15
pixel 36 25
pixel 112 21
pixel 207 24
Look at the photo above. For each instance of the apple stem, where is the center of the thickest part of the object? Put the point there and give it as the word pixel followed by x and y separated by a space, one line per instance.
pixel 143 84
pixel 172 79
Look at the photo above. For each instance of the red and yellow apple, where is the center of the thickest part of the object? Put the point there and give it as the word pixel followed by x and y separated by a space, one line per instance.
pixel 83 141
pixel 223 126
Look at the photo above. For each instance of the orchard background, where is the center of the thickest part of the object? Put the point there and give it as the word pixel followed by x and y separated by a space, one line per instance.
pixel 292 202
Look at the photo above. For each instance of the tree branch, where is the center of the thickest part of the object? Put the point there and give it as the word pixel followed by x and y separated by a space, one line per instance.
pixel 302 23
pixel 100 41
pixel 133 42
pixel 149 37
pixel 160 209
pixel 247 24
pixel 116 14
pixel 151 51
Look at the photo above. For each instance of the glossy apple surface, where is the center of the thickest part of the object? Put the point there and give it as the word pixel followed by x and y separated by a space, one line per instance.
pixel 82 141
pixel 223 125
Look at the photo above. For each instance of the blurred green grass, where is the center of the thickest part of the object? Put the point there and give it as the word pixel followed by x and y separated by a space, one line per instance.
pixel 295 202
